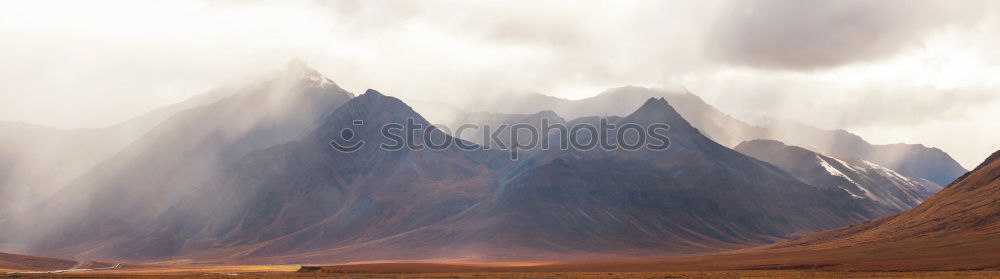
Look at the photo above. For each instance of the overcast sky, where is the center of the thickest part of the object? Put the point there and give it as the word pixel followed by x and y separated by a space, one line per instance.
pixel 892 71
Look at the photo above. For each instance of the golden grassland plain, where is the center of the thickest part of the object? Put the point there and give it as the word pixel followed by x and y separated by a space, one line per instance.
pixel 289 271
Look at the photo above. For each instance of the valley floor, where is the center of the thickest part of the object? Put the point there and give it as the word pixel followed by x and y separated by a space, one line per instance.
pixel 265 272
pixel 292 271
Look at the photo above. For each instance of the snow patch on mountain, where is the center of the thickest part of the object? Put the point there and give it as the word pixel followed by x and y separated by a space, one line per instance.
pixel 834 171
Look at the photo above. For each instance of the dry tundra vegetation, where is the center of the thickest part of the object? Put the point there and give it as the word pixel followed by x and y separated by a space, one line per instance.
pixel 279 272
pixel 405 270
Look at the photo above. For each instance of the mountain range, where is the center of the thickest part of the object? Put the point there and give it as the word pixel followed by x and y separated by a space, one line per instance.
pixel 252 177
pixel 694 196
pixel 303 201
pixel 911 160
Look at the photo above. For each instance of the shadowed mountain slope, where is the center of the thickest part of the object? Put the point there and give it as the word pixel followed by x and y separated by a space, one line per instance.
pixel 304 197
pixel 912 160
pixel 695 196
pixel 860 178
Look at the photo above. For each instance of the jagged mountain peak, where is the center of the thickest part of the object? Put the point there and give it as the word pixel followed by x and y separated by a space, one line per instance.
pixel 659 110
pixel 297 70
pixel 373 106
pixel 373 92
pixel 373 97
pixel 366 114
pixel 654 105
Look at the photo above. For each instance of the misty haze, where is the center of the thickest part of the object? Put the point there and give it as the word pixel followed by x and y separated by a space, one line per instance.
pixel 543 139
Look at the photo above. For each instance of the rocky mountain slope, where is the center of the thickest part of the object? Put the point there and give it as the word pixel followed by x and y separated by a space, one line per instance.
pixel 695 196
pixel 304 197
pixel 860 178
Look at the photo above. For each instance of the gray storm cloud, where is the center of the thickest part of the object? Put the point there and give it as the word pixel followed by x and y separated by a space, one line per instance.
pixel 806 35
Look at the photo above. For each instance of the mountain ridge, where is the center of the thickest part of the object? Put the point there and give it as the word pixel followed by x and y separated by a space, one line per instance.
pixel 912 160
pixel 860 178
pixel 256 178
pixel 303 201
